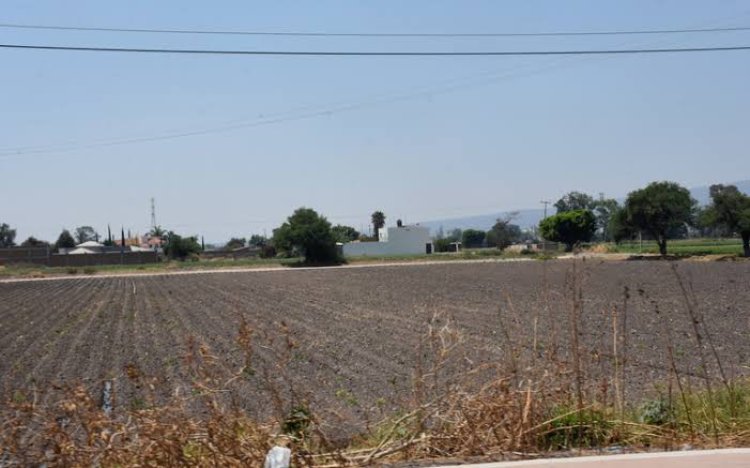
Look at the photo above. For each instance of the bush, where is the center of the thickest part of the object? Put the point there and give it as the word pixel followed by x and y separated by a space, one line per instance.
pixel 472 238
pixel 267 251
pixel 181 248
pixel 655 412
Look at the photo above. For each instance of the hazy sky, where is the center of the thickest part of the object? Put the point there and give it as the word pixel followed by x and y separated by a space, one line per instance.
pixel 419 138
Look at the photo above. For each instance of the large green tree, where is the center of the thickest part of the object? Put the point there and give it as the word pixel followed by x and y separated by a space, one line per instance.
pixel 378 222
pixel 65 240
pixel 569 227
pixel 659 209
pixel 730 210
pixel 309 234
pixel 344 234
pixel 575 201
pixel 7 236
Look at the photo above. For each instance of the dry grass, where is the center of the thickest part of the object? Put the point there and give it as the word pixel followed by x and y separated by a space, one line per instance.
pixel 532 401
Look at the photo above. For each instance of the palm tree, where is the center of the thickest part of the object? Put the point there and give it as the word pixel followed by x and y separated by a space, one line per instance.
pixel 378 222
pixel 157 231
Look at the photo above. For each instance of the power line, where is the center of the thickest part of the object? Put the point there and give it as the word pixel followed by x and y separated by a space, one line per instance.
pixel 301 114
pixel 372 54
pixel 306 112
pixel 374 34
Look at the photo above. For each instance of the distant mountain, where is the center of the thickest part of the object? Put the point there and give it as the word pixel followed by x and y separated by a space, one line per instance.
pixel 531 217
pixel 524 218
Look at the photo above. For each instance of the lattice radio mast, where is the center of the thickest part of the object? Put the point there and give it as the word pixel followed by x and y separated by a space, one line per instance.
pixel 153 213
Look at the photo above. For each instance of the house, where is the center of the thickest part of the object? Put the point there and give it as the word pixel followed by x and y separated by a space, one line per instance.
pixel 88 247
pixel 399 240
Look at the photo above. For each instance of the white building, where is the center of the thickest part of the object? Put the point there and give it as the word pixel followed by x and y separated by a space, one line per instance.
pixel 400 240
pixel 88 247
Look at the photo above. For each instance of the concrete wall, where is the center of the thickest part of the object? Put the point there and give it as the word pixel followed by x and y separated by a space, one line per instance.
pixel 35 255
pixel 125 258
pixel 406 240
pixel 42 256
pixel 251 252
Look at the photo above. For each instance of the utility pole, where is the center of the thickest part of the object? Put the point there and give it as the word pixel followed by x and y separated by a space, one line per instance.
pixel 153 213
pixel 545 203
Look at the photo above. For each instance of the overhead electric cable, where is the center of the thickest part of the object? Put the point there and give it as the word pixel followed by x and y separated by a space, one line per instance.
pixel 135 50
pixel 374 34
pixel 301 113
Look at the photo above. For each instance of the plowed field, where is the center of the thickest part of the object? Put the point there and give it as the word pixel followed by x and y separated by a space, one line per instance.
pixel 356 330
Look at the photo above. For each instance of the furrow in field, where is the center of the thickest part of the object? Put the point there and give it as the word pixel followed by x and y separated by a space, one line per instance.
pixel 41 332
pixel 106 358
pixel 62 365
pixel 345 359
pixel 170 333
pixel 22 309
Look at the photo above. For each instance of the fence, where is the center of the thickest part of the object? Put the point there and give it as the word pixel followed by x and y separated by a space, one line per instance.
pixel 245 252
pixel 35 255
pixel 43 256
pixel 114 258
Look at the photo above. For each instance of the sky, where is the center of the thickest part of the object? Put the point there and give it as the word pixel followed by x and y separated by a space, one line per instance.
pixel 231 145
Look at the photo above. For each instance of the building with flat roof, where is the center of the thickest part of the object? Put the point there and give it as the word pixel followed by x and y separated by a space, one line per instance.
pixel 398 240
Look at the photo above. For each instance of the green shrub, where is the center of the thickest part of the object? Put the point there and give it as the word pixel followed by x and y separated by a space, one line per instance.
pixel 570 429
pixel 655 412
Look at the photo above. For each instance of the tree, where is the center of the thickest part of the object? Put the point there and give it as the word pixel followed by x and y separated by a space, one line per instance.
pixel 454 235
pixel 344 234
pixel 7 236
pixel 618 228
pixel 109 242
pixel 730 210
pixel 308 233
pixel 604 209
pixel 378 222
pixel 235 243
pixel 34 242
pixel 257 240
pixel 441 244
pixel 65 240
pixel 157 231
pixel 180 248
pixel 573 201
pixel 503 233
pixel 85 234
pixel 569 227
pixel 473 238
pixel 659 209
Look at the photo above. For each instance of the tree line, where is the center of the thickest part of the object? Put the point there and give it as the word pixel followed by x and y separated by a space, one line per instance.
pixel 660 211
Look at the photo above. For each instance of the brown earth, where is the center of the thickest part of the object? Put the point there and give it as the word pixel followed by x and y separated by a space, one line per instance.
pixel 356 332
